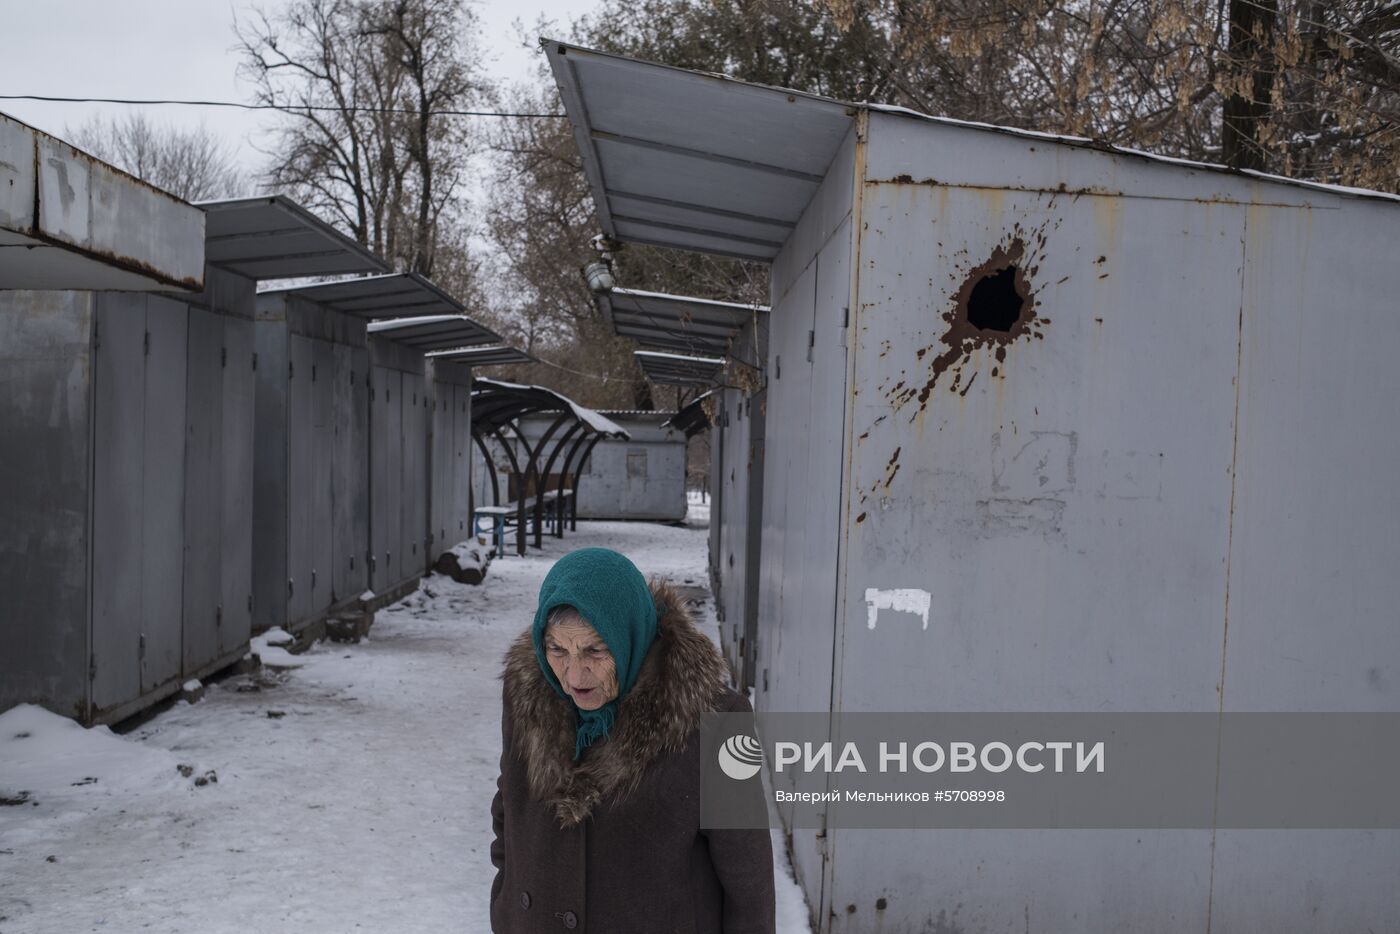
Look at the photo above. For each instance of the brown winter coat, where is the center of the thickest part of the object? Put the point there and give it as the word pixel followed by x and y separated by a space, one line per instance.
pixel 612 844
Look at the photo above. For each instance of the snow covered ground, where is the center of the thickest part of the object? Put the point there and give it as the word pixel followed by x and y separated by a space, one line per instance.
pixel 348 794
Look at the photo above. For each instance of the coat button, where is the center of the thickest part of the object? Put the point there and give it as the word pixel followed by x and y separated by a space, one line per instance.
pixel 524 899
pixel 570 920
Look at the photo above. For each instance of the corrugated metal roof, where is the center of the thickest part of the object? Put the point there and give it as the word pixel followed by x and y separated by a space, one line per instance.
pixel 483 356
pixel 683 159
pixel 702 162
pixel 675 322
pixel 273 237
pixel 400 295
pixel 434 332
pixel 679 370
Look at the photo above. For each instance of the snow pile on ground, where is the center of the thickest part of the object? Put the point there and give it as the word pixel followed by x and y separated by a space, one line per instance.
pixel 465 562
pixel 51 762
pixel 270 649
pixel 350 794
pixel 472 554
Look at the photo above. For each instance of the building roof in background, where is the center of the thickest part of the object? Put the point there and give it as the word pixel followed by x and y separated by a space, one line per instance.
pixel 676 322
pixel 495 402
pixel 273 237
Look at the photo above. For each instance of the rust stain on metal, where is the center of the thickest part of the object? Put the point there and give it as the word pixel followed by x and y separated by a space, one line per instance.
pixel 125 263
pixel 994 306
pixel 892 467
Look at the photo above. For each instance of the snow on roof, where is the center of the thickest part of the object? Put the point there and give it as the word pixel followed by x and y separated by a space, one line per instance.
pixel 595 420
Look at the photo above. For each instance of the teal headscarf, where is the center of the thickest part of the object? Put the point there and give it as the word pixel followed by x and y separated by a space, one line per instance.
pixel 609 592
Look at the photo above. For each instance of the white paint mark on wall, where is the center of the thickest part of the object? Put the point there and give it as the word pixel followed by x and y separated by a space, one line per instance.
pixel 902 599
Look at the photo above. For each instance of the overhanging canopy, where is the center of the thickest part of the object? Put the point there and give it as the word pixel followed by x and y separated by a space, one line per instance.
pixel 434 332
pixel 400 295
pixel 483 356
pixel 276 238
pixel 695 161
pixel 678 370
pixel 693 326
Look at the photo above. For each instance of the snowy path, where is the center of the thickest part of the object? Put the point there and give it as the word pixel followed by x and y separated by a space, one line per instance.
pixel 352 793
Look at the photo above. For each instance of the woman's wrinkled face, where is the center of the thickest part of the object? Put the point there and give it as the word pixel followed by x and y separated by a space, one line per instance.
pixel 580 659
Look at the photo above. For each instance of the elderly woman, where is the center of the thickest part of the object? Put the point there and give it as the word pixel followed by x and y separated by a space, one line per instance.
pixel 597 809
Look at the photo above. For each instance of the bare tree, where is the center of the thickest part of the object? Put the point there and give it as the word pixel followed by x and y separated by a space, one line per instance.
pixel 191 164
pixel 372 90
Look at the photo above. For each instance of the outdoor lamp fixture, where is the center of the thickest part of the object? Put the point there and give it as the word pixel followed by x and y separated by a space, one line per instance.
pixel 598 274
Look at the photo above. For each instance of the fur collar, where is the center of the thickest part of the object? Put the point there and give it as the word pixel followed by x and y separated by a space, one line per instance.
pixel 680 678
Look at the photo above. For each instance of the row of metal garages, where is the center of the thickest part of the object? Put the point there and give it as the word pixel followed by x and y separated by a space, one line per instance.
pixel 1093 416
pixel 188 459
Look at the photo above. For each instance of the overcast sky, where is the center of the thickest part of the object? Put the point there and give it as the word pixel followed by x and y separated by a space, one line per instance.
pixel 184 49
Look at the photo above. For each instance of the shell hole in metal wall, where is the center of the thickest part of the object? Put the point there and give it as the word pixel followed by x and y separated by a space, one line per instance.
pixel 995 303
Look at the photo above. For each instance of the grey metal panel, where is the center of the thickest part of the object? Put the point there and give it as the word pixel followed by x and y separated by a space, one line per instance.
pixel 344 410
pixel 386 493
pixel 236 585
pixel 323 390
pixel 459 522
pixel 301 478
pixel 119 404
pixel 270 475
pixel 755 408
pixel 46 365
pixel 718 441
pixel 733 487
pixel 163 505
pixel 441 489
pixel 378 477
pixel 413 486
pixel 1312 587
pixel 68 221
pixel 359 472
pixel 204 490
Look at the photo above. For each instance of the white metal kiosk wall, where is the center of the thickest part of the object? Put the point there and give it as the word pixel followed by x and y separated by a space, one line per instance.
pixel 642 477
pixel 1136 459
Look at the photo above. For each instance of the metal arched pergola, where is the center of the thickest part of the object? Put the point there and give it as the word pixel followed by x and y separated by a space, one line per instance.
pixel 496 411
